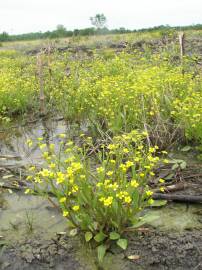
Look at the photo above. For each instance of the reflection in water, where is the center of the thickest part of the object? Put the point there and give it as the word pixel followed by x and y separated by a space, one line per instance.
pixel 13 147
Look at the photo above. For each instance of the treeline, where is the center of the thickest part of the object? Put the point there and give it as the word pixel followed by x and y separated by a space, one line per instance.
pixel 61 31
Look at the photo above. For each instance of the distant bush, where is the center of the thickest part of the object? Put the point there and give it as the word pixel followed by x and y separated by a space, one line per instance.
pixel 61 31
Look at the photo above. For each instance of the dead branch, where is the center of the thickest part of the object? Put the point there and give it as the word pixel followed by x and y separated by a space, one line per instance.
pixel 177 198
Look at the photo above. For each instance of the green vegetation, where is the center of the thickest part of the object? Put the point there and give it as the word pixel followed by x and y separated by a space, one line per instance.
pixel 136 100
pixel 113 92
pixel 100 29
pixel 105 202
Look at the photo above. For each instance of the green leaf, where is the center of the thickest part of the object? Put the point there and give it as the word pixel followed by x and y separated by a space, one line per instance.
pixel 186 148
pixel 170 176
pixel 175 166
pixel 122 243
pixel 100 237
pixel 88 236
pixel 73 232
pixel 157 203
pixel 114 236
pixel 101 250
pixel 138 224
pixel 150 217
pixel 183 165
pixel 146 219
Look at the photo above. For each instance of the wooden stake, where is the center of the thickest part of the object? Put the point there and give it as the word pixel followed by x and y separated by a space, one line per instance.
pixel 182 48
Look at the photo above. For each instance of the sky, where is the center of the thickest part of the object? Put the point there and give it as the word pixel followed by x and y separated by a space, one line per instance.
pixel 23 16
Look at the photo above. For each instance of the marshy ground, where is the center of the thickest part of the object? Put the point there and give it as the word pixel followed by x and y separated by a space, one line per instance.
pixel 33 233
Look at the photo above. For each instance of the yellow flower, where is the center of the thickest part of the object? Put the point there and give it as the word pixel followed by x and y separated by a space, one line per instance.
pixel 111 147
pixel 45 173
pixel 37 180
pixel 150 201
pixel 65 213
pixel 75 188
pixel 60 178
pixel 123 167
pixel 62 200
pixel 31 169
pixel 109 173
pixel 99 184
pixel 149 193
pixel 127 199
pixel 42 146
pixel 62 135
pixel 129 164
pixel 162 189
pixel 122 194
pixel 76 208
pixel 52 165
pixel 76 166
pixel 152 149
pixel 45 154
pixel 83 177
pixel 108 201
pixel 27 191
pixel 70 143
pixel 70 172
pixel 100 169
pixel 29 142
pixel 125 150
pixel 161 180
pixel 134 183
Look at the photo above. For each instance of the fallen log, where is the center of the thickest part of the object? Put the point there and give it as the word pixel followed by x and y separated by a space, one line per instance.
pixel 171 188
pixel 178 198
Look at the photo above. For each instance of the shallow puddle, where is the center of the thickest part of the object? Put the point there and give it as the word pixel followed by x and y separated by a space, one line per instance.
pixel 22 215
pixel 13 148
pixel 178 217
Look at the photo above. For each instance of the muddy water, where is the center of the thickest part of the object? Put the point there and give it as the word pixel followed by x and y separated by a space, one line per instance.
pixel 13 147
pixel 22 215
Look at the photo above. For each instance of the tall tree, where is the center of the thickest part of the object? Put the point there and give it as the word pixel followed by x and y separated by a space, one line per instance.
pixel 99 21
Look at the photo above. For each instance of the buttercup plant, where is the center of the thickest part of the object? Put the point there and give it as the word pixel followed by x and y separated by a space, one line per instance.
pixel 101 201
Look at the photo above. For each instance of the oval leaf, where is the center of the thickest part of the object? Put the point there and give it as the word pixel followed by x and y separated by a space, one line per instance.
pixel 122 243
pixel 101 250
pixel 73 232
pixel 100 237
pixel 183 165
pixel 114 236
pixel 186 148
pixel 88 236
pixel 175 166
